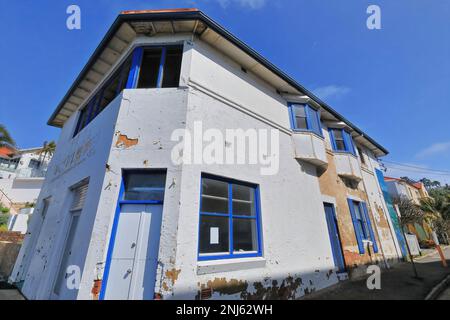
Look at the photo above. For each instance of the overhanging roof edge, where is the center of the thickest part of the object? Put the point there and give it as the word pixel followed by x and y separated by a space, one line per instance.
pixel 198 15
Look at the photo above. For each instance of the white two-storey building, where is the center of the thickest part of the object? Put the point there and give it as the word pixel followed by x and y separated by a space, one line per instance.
pixel 132 213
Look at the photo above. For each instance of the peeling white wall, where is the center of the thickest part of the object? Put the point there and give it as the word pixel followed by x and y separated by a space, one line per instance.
pixel 216 91
pixel 82 157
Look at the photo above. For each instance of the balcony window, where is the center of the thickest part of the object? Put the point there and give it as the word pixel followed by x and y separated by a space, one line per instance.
pixel 342 141
pixel 305 118
pixel 146 67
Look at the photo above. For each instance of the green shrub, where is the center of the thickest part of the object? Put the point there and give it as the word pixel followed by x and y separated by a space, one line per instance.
pixel 4 210
pixel 4 219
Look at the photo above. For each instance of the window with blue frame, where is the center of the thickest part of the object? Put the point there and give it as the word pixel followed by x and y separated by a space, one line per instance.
pixel 342 141
pixel 229 219
pixel 145 185
pixel 362 224
pixel 146 67
pixel 361 221
pixel 305 118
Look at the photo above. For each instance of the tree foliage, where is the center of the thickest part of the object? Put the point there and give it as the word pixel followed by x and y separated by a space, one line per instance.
pixel 410 213
pixel 5 137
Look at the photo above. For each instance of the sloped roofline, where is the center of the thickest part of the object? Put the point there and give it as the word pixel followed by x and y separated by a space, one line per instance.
pixel 195 14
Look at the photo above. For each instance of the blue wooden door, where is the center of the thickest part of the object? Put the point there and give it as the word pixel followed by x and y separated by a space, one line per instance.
pixel 135 256
pixel 335 240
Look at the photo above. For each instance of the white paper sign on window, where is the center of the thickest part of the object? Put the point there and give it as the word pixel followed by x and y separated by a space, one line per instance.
pixel 214 236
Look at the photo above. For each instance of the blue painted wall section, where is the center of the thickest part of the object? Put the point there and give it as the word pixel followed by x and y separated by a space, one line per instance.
pixel 392 212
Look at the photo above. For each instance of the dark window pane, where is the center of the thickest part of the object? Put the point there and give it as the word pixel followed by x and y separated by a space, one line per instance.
pixel 243 201
pixel 109 92
pixel 214 196
pixel 300 123
pixel 339 140
pixel 148 73
pixel 340 145
pixel 82 119
pixel 357 211
pixel 146 186
pixel 243 192
pixel 124 73
pixel 214 188
pixel 214 205
pixel 214 234
pixel 300 117
pixel 361 156
pixel 338 134
pixel 172 68
pixel 244 235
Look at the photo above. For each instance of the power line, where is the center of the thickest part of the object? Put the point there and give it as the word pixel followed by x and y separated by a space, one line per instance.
pixel 445 172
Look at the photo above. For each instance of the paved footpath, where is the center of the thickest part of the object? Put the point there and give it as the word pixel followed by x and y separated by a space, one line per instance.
pixel 445 295
pixel 397 283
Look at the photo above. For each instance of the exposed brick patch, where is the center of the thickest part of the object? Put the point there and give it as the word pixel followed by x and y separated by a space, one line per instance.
pixel 10 236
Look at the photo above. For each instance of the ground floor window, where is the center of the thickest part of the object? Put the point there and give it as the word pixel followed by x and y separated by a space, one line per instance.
pixel 229 219
pixel 144 185
pixel 362 224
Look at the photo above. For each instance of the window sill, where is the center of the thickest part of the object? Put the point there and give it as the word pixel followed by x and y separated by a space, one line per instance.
pixel 297 131
pixel 344 152
pixel 217 266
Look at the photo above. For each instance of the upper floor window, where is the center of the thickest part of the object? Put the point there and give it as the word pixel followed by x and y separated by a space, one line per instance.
pixel 34 164
pixel 146 67
pixel 229 219
pixel 305 118
pixel 342 141
pixel 361 156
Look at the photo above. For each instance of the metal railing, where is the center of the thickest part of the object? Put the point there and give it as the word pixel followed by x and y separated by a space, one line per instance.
pixel 31 173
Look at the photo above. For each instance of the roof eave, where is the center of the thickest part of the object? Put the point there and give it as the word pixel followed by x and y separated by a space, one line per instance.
pixel 189 14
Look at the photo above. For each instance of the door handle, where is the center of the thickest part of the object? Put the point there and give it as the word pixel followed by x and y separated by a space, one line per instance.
pixel 129 271
pixel 133 245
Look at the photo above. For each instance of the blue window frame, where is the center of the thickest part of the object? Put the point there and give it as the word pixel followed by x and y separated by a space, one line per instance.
pixel 229 219
pixel 145 67
pixel 342 141
pixel 303 117
pixel 362 224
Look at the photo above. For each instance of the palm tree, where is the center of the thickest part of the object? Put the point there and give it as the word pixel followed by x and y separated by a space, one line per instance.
pixel 5 138
pixel 48 149
pixel 410 213
pixel 438 212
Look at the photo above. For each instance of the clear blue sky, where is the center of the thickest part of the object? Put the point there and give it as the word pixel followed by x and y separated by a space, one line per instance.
pixel 394 83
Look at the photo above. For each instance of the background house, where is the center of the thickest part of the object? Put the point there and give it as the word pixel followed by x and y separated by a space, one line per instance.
pixel 415 192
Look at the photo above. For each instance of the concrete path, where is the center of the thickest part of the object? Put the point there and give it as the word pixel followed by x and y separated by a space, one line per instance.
pixel 445 295
pixel 10 294
pixel 397 283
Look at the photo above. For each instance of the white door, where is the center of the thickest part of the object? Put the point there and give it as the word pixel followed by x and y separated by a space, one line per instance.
pixel 135 256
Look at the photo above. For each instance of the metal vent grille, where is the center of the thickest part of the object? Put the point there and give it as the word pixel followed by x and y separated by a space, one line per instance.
pixel 79 197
